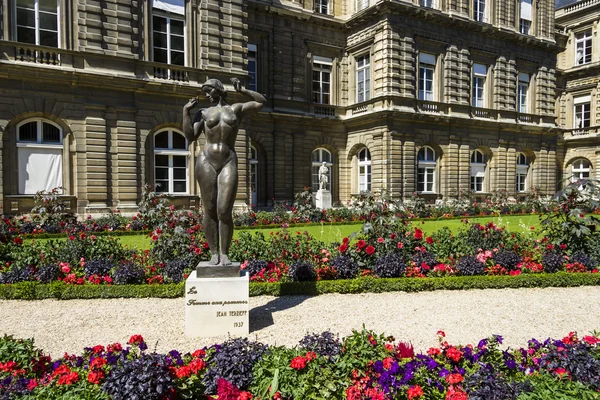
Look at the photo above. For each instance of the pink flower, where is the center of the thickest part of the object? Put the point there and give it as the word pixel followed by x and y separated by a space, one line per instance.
pixel 380 240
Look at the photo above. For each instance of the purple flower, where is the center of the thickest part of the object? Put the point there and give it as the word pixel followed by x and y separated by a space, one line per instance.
pixel 498 338
pixel 482 343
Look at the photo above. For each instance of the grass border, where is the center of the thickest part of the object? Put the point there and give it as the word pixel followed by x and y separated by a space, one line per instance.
pixel 62 291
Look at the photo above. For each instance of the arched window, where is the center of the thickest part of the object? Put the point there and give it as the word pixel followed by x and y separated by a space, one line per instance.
pixel 478 164
pixel 580 169
pixel 253 175
pixel 522 171
pixel 320 156
pixel 40 156
pixel 364 170
pixel 426 166
pixel 171 162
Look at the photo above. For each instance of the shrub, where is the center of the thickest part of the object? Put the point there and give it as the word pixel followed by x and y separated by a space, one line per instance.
pixel 129 273
pixel 232 360
pixel 174 270
pixel 578 359
pixel 487 384
pixel 580 257
pixel 302 271
pixel 147 377
pixel 99 267
pixel 469 265
pixel 255 266
pixel 345 266
pixel 47 273
pixel 552 261
pixel 425 257
pixel 16 274
pixel 325 344
pixel 389 266
pixel 507 259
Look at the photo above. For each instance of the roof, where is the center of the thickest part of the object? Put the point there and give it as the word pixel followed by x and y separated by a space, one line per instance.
pixel 562 3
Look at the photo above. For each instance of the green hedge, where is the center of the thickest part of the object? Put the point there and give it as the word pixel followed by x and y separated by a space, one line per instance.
pixel 60 290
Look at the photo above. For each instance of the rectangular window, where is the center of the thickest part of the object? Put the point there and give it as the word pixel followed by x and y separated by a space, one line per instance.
pixel 479 10
pixel 521 182
pixel 581 112
pixel 522 92
pixel 363 78
pixel 168 37
pixel 526 17
pixel 321 80
pixel 322 6
pixel 361 4
pixel 477 184
pixel 583 48
pixel 427 3
pixel 426 75
pixel 252 85
pixel 425 179
pixel 479 77
pixel 37 22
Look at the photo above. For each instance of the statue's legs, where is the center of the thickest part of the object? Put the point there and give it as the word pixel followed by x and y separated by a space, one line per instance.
pixel 207 179
pixel 227 182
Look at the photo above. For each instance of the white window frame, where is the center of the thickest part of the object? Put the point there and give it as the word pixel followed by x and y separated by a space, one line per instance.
pixel 479 10
pixel 169 16
pixel 522 172
pixel 363 65
pixel 364 170
pixel 40 144
pixel 523 93
pixel 427 168
pixel 322 7
pixel 170 152
pixel 37 27
pixel 317 161
pixel 583 47
pixel 581 167
pixel 582 112
pixel 478 170
pixel 526 17
pixel 252 72
pixel 427 76
pixel 322 66
pixel 479 85
pixel 253 161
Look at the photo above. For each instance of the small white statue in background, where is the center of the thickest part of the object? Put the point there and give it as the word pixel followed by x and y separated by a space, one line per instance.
pixel 323 176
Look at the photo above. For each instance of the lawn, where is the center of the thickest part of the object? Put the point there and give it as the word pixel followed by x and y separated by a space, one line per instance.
pixel 331 233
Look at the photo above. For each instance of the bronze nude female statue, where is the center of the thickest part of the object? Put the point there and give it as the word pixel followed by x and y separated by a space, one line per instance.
pixel 216 166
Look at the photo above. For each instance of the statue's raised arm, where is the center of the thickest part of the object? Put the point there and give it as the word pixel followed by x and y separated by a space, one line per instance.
pixel 250 107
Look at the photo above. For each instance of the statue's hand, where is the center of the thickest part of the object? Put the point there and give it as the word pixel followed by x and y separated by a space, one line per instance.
pixel 237 85
pixel 191 104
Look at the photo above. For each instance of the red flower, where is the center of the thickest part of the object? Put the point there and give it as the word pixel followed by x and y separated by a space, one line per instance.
pixel 136 339
pixel 97 363
pixel 343 248
pixel 95 377
pixel 380 240
pixel 370 250
pixel 361 243
pixel 298 363
pixel 415 392
pixel 311 355
pixel 400 245
pixel 18 240
pixel 454 378
pixel 245 396
pixel 68 379
pixel 591 340
pixel 345 240
pixel 405 350
pixel 563 246
pixel 429 240
pixel 433 351
pixel 454 354
pixel 196 365
pixel 418 235
pixel 387 362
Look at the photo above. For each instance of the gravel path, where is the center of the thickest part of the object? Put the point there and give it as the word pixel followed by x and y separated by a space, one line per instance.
pixel 466 316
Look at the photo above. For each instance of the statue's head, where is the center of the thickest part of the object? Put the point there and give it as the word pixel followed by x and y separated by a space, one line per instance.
pixel 213 88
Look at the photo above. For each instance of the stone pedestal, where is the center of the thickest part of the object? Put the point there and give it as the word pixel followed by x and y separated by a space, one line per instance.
pixel 323 199
pixel 216 306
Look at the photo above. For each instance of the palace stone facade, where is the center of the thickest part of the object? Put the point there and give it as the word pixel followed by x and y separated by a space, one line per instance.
pixel 431 97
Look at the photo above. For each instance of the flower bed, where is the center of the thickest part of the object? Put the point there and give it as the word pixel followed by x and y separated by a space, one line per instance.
pixel 364 365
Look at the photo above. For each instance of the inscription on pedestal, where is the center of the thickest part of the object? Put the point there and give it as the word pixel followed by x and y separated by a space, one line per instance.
pixel 216 306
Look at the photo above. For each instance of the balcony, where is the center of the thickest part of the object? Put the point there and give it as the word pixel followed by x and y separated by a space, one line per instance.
pixel 431 107
pixel 324 110
pixel 582 133
pixel 580 5
pixel 91 66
